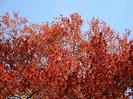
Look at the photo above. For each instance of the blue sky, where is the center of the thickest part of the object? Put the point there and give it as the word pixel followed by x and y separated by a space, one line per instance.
pixel 117 13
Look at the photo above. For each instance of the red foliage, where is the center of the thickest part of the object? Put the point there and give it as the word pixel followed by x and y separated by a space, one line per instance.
pixel 56 61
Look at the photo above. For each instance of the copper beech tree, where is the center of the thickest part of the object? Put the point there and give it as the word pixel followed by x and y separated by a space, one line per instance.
pixel 59 60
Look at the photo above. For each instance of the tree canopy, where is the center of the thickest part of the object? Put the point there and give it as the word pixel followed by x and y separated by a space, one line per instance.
pixel 59 60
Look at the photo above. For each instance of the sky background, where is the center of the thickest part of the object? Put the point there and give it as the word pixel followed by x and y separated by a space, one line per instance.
pixel 116 13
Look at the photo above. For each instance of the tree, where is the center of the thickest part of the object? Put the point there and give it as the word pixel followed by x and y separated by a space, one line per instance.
pixel 58 60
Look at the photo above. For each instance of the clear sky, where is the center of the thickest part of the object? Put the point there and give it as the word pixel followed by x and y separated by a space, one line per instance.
pixel 117 13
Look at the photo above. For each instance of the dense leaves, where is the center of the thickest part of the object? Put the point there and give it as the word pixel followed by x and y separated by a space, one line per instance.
pixel 58 60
